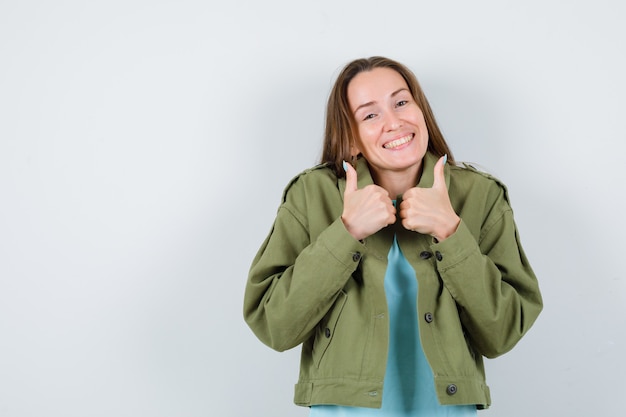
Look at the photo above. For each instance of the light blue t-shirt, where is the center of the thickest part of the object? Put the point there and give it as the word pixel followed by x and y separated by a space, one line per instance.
pixel 409 388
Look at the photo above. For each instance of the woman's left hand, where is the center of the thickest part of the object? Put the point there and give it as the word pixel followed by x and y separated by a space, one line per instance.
pixel 428 210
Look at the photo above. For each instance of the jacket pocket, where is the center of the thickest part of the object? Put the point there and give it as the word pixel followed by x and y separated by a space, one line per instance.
pixel 325 330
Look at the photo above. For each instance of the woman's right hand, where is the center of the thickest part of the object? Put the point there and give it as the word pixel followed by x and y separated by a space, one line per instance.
pixel 367 210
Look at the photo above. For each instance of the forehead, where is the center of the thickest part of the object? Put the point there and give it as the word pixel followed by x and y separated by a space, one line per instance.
pixel 374 85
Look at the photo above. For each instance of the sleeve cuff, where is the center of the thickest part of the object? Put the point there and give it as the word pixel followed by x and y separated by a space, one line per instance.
pixel 342 245
pixel 455 249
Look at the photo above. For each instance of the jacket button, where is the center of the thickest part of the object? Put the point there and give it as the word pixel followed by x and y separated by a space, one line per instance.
pixel 428 317
pixel 327 332
pixel 425 255
pixel 356 256
pixel 438 255
pixel 451 390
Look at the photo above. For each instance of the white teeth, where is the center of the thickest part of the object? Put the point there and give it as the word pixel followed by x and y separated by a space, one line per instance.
pixel 398 142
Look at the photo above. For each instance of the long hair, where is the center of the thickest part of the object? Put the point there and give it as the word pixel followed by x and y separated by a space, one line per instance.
pixel 341 130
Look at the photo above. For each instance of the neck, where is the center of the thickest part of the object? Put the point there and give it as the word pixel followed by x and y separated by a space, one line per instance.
pixel 397 182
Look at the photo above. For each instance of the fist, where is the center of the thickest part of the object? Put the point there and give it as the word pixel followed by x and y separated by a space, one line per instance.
pixel 428 210
pixel 366 210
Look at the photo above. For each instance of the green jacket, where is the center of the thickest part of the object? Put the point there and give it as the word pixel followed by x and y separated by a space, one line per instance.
pixel 312 283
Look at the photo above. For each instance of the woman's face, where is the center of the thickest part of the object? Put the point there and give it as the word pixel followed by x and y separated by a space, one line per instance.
pixel 392 133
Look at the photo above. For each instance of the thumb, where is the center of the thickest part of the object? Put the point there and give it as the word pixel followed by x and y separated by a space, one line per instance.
pixel 439 177
pixel 351 178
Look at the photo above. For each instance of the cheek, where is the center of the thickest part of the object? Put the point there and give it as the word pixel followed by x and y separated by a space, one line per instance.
pixel 421 125
pixel 367 134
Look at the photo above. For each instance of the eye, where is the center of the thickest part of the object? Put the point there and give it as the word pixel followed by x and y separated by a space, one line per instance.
pixel 369 116
pixel 402 103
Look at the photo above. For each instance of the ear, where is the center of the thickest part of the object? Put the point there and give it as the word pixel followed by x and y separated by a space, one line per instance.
pixel 354 149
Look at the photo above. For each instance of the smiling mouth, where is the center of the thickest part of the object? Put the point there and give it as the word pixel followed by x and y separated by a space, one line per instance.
pixel 398 142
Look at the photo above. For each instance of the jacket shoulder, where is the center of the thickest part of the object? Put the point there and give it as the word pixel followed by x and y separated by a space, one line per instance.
pixel 311 178
pixel 473 178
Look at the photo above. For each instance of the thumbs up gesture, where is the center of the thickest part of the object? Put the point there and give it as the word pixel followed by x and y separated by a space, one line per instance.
pixel 366 210
pixel 428 210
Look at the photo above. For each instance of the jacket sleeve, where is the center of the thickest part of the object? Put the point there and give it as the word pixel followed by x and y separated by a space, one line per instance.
pixel 294 281
pixel 491 281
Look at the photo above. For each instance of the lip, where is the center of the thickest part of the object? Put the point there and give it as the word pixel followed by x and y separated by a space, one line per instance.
pixel 399 142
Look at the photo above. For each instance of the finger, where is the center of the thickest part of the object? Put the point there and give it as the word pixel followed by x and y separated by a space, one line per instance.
pixel 351 178
pixel 438 171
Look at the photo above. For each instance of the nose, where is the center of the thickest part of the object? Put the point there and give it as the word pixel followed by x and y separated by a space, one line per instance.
pixel 392 121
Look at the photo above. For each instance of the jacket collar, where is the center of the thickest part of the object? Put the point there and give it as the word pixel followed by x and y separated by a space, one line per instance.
pixel 428 175
pixel 425 181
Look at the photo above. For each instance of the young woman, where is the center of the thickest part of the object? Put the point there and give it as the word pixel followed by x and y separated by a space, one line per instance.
pixel 396 269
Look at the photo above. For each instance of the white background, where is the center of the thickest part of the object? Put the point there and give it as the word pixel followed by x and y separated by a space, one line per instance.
pixel 144 146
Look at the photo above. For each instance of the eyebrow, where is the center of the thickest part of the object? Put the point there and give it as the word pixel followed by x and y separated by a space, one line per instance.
pixel 369 103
